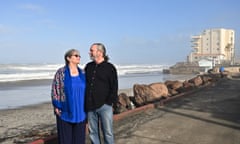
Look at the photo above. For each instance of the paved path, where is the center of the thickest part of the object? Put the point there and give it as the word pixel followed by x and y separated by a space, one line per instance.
pixel 209 116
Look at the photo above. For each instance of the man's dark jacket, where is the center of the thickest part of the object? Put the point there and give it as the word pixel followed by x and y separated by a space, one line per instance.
pixel 102 85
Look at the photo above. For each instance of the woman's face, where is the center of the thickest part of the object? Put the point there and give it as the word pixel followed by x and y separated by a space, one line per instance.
pixel 74 58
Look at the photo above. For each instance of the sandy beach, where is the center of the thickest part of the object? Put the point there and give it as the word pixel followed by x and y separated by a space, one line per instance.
pixel 21 124
pixel 28 123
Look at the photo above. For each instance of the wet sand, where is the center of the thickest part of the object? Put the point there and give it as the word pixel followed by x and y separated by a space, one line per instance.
pixel 25 83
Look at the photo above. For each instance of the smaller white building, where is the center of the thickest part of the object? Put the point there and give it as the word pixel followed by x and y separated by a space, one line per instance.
pixel 206 64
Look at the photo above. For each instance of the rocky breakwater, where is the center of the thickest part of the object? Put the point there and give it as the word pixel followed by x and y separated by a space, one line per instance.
pixel 156 92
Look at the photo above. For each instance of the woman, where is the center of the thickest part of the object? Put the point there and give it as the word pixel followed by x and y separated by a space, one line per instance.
pixel 68 89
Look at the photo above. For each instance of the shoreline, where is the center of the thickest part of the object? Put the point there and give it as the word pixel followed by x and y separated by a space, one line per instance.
pixel 24 83
pixel 128 91
pixel 21 93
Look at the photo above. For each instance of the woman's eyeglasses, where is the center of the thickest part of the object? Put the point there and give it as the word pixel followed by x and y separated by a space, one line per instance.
pixel 76 55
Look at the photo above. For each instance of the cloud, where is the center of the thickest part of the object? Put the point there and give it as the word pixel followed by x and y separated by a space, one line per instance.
pixel 11 31
pixel 31 7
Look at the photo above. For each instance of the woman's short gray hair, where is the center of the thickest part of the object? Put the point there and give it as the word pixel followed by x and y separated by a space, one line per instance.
pixel 69 53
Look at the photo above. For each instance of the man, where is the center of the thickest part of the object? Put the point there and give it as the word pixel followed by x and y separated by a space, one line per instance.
pixel 101 94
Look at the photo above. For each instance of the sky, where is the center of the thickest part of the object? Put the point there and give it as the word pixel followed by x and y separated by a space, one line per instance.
pixel 133 31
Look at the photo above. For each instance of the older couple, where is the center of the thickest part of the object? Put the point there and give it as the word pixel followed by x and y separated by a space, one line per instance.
pixel 79 97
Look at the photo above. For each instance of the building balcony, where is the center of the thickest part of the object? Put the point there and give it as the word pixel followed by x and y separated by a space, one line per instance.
pixel 195 47
pixel 195 41
pixel 196 37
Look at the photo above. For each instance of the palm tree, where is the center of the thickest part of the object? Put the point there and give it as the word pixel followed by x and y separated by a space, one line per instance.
pixel 229 53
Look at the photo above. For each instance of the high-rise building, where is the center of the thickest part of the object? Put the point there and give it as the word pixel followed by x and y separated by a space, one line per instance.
pixel 216 45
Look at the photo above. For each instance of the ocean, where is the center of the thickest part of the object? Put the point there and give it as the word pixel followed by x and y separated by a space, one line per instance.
pixel 28 84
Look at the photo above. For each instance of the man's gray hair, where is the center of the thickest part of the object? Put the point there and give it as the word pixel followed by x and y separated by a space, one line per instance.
pixel 102 48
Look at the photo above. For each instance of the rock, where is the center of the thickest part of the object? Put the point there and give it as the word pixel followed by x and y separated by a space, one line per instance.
pixel 141 94
pixel 173 84
pixel 197 81
pixel 172 92
pixel 158 90
pixel 187 86
pixel 123 103
pixel 206 79
pixel 144 94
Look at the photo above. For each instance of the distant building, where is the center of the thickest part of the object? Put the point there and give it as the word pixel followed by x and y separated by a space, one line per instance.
pixel 214 44
pixel 207 64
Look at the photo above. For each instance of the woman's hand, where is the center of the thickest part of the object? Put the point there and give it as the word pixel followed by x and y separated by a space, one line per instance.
pixel 58 111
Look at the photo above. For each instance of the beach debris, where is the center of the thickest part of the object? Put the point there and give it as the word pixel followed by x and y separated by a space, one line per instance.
pixel 25 133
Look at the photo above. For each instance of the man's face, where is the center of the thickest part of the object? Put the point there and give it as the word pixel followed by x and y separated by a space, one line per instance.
pixel 94 53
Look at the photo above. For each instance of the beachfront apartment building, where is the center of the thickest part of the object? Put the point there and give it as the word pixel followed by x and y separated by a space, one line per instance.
pixel 216 45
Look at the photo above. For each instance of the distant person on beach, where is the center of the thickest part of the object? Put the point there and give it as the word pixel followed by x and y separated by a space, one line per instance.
pixel 221 70
pixel 68 98
pixel 101 94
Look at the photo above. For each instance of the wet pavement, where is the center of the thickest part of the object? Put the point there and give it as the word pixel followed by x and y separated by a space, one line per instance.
pixel 209 116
